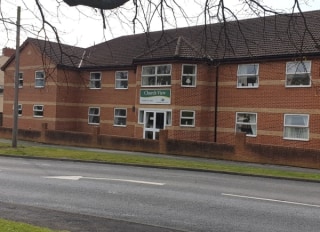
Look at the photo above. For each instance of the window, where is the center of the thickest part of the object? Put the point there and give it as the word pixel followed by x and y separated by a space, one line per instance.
pixel 298 74
pixel 95 80
pixel 20 80
pixel 19 109
pixel 247 123
pixel 189 74
pixel 157 75
pixel 296 126
pixel 247 76
pixel 94 115
pixel 187 118
pixel 141 116
pixel 121 80
pixel 37 110
pixel 120 117
pixel 39 79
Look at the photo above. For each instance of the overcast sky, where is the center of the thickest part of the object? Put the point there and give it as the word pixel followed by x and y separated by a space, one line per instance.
pixel 82 26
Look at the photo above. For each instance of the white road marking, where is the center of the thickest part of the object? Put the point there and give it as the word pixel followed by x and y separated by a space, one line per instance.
pixel 271 200
pixel 99 178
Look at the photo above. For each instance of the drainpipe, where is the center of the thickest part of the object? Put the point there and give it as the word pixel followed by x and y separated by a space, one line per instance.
pixel 216 104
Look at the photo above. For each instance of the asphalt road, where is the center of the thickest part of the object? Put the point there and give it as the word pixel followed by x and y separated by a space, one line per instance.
pixel 157 199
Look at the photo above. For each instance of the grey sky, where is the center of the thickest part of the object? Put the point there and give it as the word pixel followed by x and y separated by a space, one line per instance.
pixel 82 26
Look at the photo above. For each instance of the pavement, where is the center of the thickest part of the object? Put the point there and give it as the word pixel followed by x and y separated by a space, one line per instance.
pixel 85 223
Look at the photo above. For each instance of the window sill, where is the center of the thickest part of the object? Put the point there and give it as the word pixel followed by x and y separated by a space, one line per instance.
pixel 248 87
pixel 188 86
pixel 296 139
pixel 298 86
pixel 155 86
pixel 191 126
pixel 120 125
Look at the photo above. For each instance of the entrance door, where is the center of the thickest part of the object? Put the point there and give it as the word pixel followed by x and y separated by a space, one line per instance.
pixel 154 122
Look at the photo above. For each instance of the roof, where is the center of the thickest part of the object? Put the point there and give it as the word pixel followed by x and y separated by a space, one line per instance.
pixel 283 35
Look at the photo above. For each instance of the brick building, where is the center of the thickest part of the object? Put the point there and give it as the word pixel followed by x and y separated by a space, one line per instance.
pixel 205 83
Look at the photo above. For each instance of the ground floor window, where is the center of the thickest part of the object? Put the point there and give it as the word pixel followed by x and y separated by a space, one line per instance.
pixel 187 118
pixel 296 126
pixel 94 115
pixel 246 123
pixel 168 117
pixel 120 117
pixel 19 109
pixel 37 110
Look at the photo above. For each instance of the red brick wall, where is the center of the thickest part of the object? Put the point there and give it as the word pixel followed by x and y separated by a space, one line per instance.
pixel 271 100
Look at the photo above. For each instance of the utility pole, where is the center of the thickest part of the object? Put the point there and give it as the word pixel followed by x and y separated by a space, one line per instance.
pixel 16 83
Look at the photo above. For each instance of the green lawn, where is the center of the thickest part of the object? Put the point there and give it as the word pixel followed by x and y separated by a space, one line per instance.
pixel 11 226
pixel 47 152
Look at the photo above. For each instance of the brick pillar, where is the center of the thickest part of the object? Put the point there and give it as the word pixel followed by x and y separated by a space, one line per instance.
pixel 163 138
pixel 95 133
pixel 240 144
pixel 44 128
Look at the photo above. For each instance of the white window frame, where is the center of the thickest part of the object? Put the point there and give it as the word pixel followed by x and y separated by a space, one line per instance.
pixel 35 110
pixel 287 126
pixel 243 77
pixel 93 115
pixel 156 79
pixel 119 80
pixel 93 82
pixel 244 125
pixel 118 119
pixel 41 79
pixel 184 120
pixel 20 80
pixel 19 109
pixel 296 69
pixel 191 78
pixel 168 112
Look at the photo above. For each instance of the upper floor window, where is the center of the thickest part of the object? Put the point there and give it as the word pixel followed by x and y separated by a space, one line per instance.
pixel 95 80
pixel 94 115
pixel 121 81
pixel 187 118
pixel 298 74
pixel 39 79
pixel 189 74
pixel 248 76
pixel 120 117
pixel 296 127
pixel 156 75
pixel 20 80
pixel 247 123
pixel 37 110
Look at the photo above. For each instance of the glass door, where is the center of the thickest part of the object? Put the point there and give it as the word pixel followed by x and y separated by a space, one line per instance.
pixel 154 122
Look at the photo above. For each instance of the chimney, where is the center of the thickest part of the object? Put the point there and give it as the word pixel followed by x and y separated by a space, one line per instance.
pixel 8 52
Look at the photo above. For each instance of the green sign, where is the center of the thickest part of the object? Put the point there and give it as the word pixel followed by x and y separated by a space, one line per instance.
pixel 155 96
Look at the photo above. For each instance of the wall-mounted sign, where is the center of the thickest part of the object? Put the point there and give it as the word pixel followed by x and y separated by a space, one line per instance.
pixel 155 96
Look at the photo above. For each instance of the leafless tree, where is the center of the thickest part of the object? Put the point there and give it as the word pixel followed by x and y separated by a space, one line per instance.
pixel 143 14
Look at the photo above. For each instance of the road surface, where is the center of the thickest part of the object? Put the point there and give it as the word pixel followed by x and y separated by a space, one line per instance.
pixel 176 199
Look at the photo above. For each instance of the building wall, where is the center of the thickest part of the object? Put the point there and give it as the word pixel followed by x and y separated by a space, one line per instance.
pixel 67 97
pixel 31 60
pixel 271 100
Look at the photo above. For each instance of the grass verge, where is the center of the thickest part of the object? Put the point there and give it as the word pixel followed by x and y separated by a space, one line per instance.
pixel 58 153
pixel 11 226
